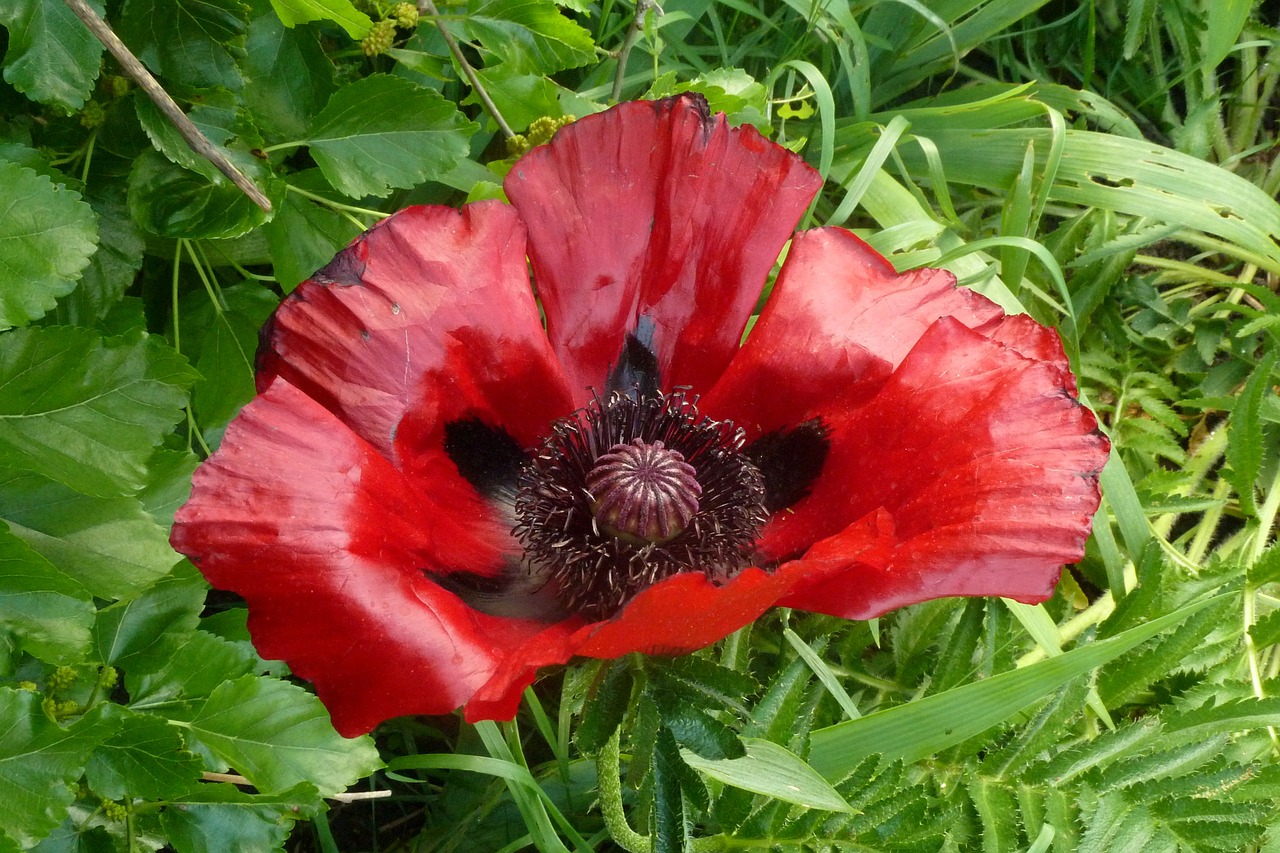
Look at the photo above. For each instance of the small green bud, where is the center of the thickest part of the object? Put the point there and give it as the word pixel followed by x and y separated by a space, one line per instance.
pixel 405 15
pixel 62 679
pixel 379 39
pixel 93 115
pixel 108 677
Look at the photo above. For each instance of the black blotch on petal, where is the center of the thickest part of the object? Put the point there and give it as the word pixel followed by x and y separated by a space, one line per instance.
pixel 637 369
pixel 345 270
pixel 487 456
pixel 790 461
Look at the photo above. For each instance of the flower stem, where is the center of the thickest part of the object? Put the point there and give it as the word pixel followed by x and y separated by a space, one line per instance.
pixel 429 8
pixel 198 141
pixel 609 783
pixel 633 35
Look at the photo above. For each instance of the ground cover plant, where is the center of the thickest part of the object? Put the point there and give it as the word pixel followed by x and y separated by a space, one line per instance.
pixel 1107 168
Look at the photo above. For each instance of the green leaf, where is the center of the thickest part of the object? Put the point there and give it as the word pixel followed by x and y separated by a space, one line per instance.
pixel 222 122
pixel 52 57
pixel 276 735
pixel 303 237
pixel 528 36
pixel 50 612
pixel 927 725
pixel 109 545
pixel 1225 24
pixel 145 757
pixel 171 201
pixel 39 764
pixel 47 235
pixel 112 268
pixel 698 730
pixel 205 820
pixel 341 12
pixel 774 772
pixel 185 668
pixel 84 410
pixel 288 77
pixel 604 710
pixel 1244 440
pixel 192 42
pixel 382 132
pixel 668 820
pixel 143 630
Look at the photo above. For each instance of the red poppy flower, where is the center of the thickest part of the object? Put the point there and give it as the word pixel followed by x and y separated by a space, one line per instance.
pixel 435 492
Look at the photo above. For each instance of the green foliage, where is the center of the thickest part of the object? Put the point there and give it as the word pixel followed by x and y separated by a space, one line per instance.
pixel 1107 167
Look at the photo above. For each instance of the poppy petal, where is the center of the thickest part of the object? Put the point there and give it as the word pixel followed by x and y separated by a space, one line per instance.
pixel 985 461
pixel 429 312
pixel 837 323
pixel 658 220
pixel 332 547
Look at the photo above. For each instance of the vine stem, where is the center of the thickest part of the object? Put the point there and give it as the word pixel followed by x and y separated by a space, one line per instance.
pixel 609 783
pixel 139 74
pixel 633 35
pixel 429 8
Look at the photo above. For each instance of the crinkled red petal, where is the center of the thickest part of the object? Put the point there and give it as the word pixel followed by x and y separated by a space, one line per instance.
pixel 429 313
pixel 330 546
pixel 983 458
pixel 655 209
pixel 837 323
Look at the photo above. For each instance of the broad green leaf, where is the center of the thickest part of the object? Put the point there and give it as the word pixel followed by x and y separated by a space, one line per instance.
pixel 142 631
pixel 52 57
pixel 1225 23
pixel 770 770
pixel 109 545
pixel 144 757
pixel 933 723
pixel 205 820
pixel 171 201
pixel 39 764
pixel 112 268
pixel 276 735
pixel 219 118
pixel 186 668
pixel 382 132
pixel 47 235
pixel 303 237
pixel 341 12
pixel 288 77
pixel 84 410
pixel 50 612
pixel 1244 441
pixel 169 483
pixel 520 98
pixel 528 36
pixel 192 42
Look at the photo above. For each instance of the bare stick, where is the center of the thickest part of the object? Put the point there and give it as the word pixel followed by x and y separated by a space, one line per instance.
pixel 428 7
pixel 347 797
pixel 198 141
pixel 633 35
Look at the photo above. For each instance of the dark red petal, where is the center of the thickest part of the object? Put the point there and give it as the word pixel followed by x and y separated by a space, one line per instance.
pixel 655 209
pixel 837 323
pixel 329 545
pixel 985 461
pixel 429 312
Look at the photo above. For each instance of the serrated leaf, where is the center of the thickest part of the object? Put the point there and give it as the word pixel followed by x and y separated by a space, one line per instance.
pixel 204 820
pixel 667 817
pixel 47 235
pixel 168 200
pixel 108 545
pixel 112 268
pixel 184 669
pixel 382 132
pixel 303 237
pixel 707 684
pixel 276 735
pixel 144 757
pixel 142 631
pixel 997 810
pixel 1244 438
pixel 699 731
pixel 528 36
pixel 219 119
pixel 50 612
pixel 768 769
pixel 39 764
pixel 193 42
pixel 1266 569
pixel 1161 764
pixel 603 711
pixel 1266 631
pixel 341 12
pixel 288 76
pixel 84 410
pixel 52 57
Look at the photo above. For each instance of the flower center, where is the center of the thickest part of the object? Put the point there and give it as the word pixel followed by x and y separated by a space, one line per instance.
pixel 643 492
pixel 629 491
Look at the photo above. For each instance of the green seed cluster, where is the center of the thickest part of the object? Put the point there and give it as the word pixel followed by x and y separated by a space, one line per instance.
pixel 380 38
pixel 539 133
pixel 405 15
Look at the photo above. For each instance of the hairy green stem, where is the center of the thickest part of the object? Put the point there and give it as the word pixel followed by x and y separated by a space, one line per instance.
pixel 609 784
